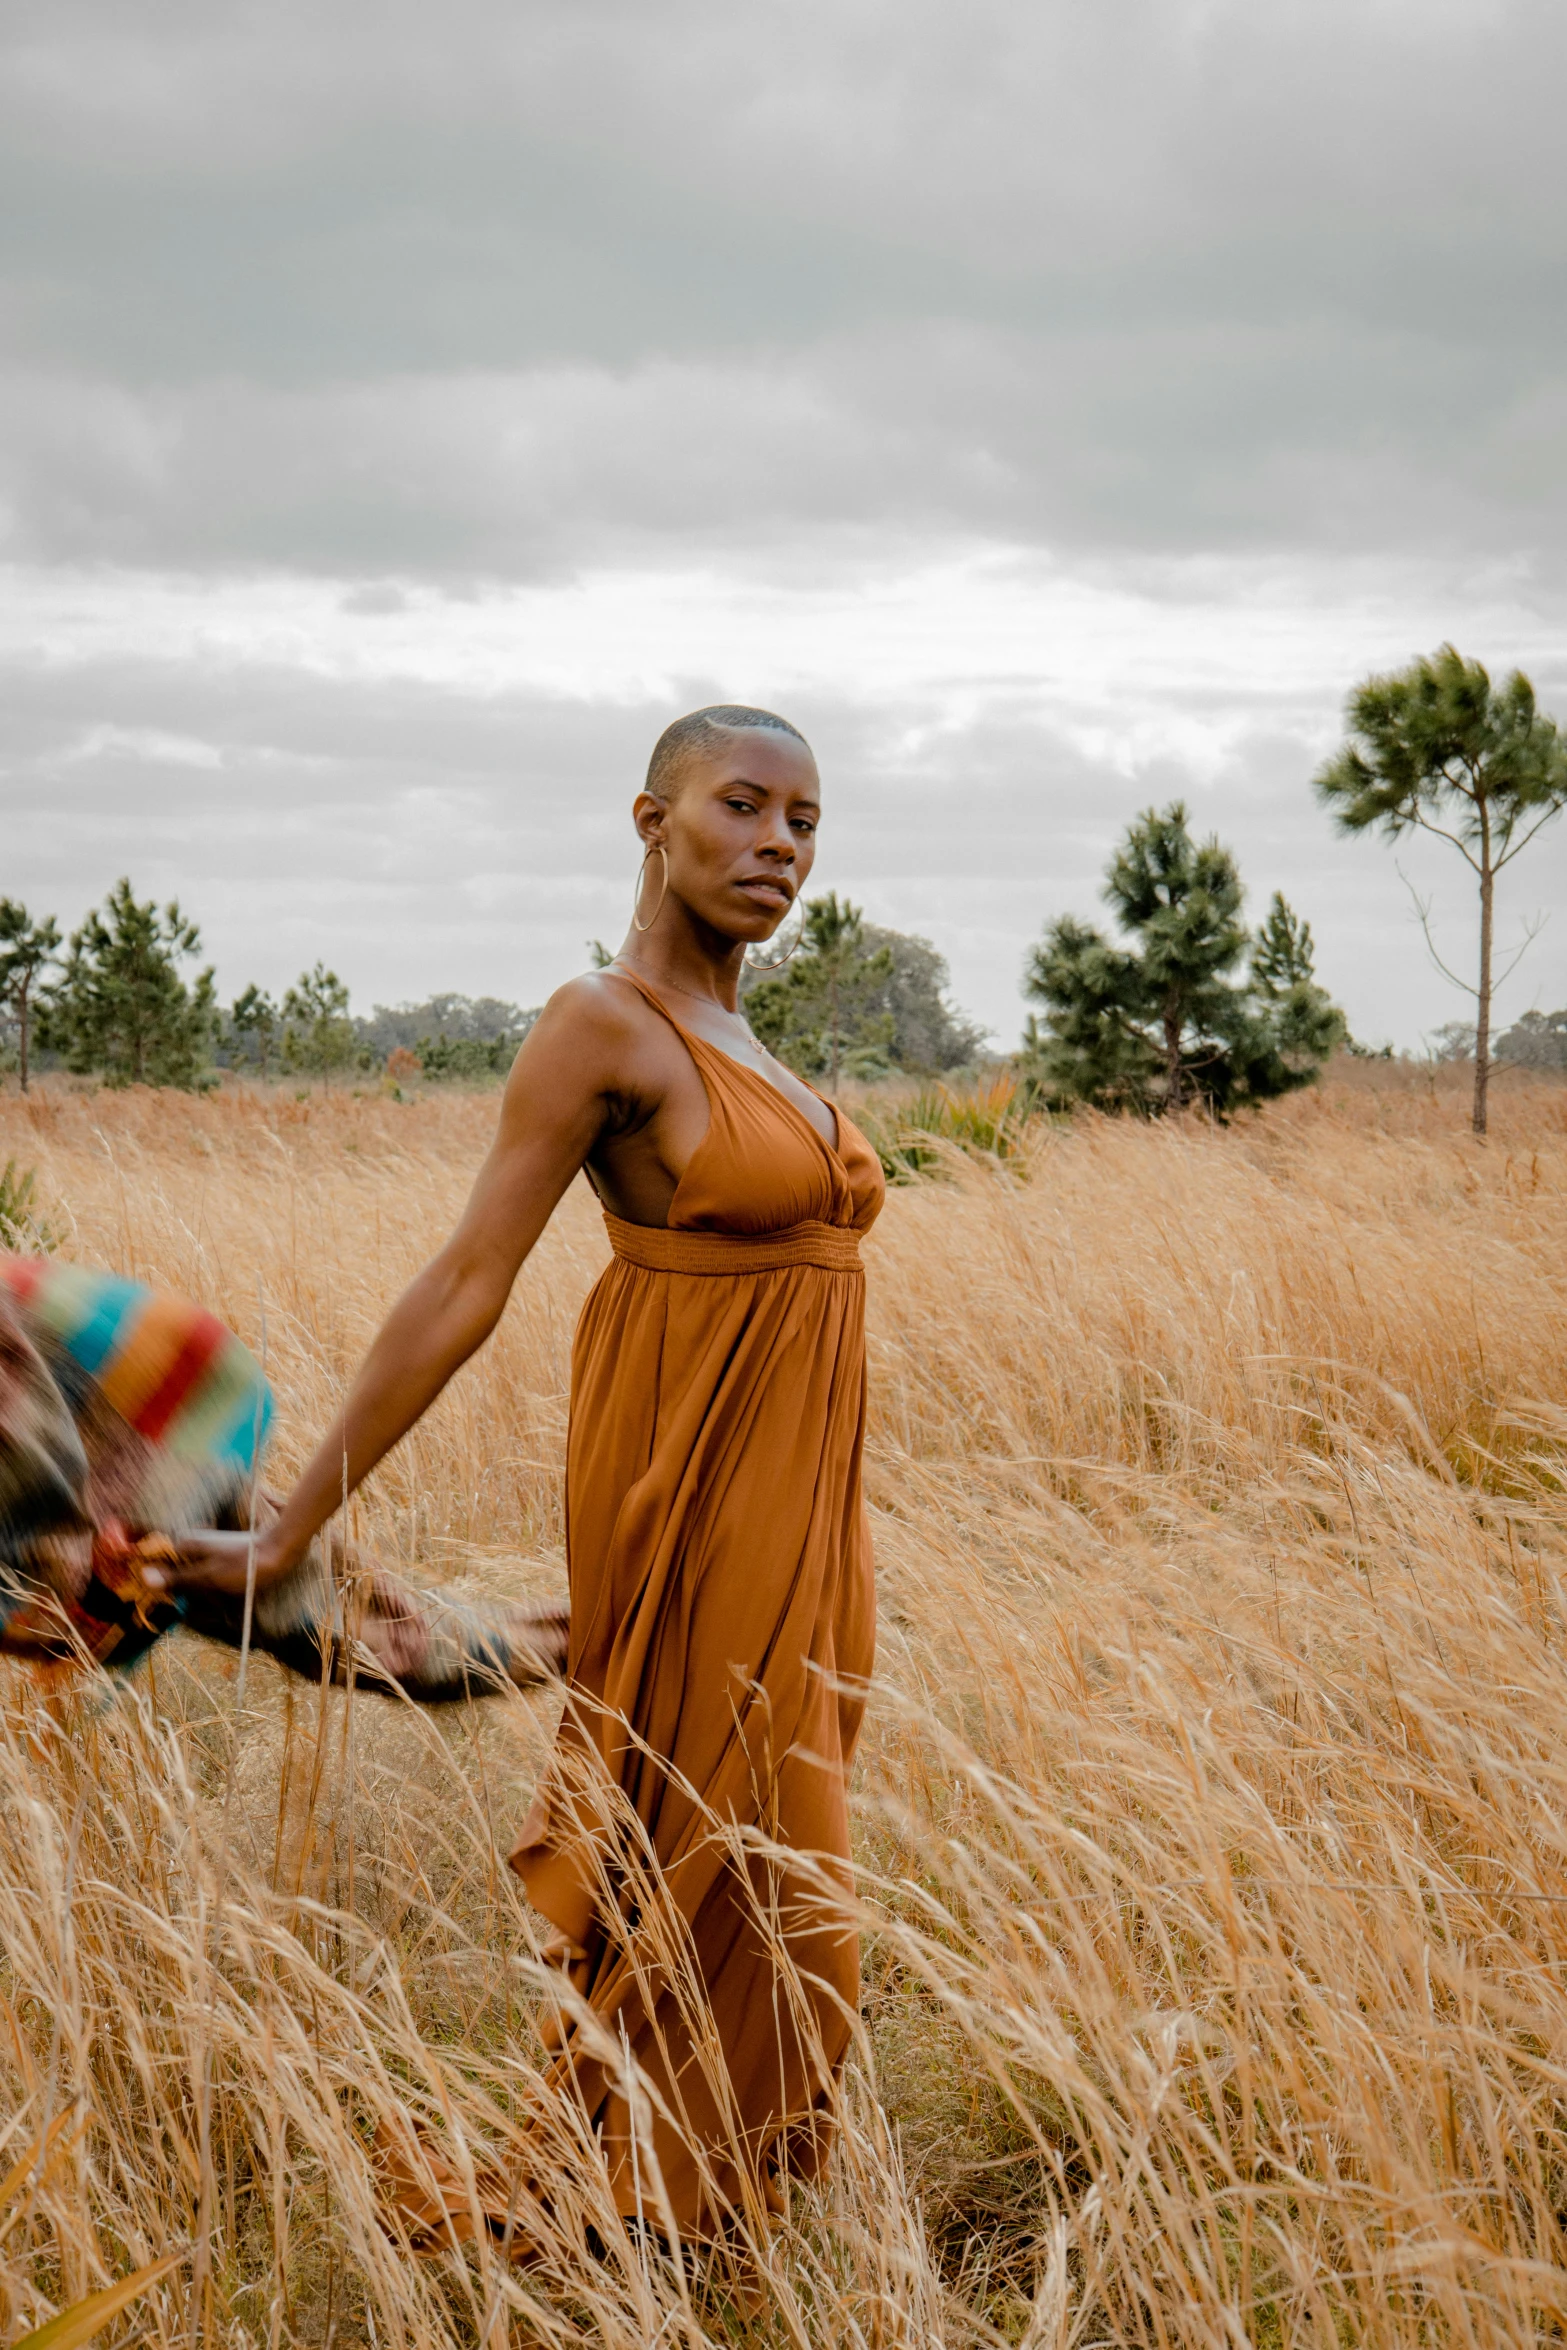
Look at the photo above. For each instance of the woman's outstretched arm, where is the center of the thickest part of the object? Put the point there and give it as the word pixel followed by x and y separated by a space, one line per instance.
pixel 555 1105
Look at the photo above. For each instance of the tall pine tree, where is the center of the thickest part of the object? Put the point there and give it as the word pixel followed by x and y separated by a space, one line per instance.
pixel 1437 748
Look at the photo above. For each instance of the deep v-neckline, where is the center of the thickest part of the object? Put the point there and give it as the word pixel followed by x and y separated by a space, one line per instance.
pixel 691 1036
pixel 834 1148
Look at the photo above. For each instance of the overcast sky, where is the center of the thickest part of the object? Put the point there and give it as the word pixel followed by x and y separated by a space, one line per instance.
pixel 1053 408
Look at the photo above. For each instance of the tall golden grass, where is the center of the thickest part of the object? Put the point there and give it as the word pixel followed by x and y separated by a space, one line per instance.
pixel 1212 1816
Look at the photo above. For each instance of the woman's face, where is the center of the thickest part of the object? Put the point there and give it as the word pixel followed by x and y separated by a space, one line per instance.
pixel 740 832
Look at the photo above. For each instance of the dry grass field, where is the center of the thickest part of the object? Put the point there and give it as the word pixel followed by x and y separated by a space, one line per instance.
pixel 1212 1815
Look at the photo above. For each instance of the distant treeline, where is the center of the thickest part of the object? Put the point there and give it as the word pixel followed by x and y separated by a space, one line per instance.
pixel 458 1039
pixel 1193 1007
pixel 1538 1040
pixel 124 1000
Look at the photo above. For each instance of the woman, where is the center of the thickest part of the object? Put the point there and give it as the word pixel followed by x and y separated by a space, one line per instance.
pixel 722 1612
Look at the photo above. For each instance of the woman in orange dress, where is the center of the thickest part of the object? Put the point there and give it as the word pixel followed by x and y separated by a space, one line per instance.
pixel 722 1608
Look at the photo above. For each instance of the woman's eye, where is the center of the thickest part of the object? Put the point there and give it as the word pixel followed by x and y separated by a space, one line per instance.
pixel 803 824
pixel 742 807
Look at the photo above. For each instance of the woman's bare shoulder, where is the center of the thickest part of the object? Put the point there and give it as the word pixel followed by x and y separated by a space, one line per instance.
pixel 599 1020
pixel 598 1003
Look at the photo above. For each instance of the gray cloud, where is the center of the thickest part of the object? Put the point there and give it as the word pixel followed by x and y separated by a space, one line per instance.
pixel 510 287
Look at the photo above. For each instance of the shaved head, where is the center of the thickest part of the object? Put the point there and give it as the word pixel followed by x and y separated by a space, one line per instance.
pixel 700 736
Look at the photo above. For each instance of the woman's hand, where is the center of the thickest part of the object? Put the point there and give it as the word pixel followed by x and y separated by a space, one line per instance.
pixel 223 1563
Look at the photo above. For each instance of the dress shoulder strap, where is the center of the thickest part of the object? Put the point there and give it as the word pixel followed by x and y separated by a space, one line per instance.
pixel 619 971
pixel 687 1036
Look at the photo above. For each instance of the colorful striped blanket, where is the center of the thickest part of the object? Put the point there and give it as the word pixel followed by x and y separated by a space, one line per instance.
pixel 129 1417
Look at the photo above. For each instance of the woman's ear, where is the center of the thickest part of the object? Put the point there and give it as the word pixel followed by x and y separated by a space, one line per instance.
pixel 651 818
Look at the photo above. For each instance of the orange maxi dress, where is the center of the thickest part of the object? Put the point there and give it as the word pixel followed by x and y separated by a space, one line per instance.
pixel 722 1624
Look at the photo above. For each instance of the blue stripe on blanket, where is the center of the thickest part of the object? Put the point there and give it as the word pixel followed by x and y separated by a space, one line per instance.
pixel 95 1339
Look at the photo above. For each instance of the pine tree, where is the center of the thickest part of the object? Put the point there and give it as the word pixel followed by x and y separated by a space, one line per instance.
pixel 27 948
pixel 1283 954
pixel 1438 748
pixel 1095 1043
pixel 1306 1025
pixel 318 1035
pixel 120 1008
pixel 252 1028
pixel 1163 1021
pixel 820 1014
pixel 1182 902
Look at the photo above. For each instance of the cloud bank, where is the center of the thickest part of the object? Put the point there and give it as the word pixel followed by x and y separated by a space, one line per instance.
pixel 401 416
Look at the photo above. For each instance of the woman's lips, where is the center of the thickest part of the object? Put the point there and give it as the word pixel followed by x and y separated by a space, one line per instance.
pixel 768 893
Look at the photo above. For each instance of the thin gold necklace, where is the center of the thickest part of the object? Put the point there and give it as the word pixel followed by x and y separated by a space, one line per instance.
pixel 712 1002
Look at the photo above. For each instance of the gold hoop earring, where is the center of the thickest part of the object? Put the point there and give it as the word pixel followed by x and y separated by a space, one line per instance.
pixel 636 898
pixel 779 961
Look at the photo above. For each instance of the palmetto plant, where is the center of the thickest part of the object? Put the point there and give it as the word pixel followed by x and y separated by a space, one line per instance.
pixel 990 1116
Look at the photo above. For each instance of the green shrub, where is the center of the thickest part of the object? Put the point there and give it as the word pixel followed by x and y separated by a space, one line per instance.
pixel 989 1116
pixel 21 1226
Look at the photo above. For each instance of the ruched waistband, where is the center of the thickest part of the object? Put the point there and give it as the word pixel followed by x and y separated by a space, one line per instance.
pixel 658 1251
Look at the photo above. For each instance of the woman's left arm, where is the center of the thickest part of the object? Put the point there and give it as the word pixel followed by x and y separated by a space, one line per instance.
pixel 553 1111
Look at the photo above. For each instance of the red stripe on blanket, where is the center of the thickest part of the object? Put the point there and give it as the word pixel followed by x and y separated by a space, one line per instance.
pixel 203 1340
pixel 21 1275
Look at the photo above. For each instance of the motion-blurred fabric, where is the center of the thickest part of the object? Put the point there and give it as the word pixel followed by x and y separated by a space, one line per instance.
pixel 129 1417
